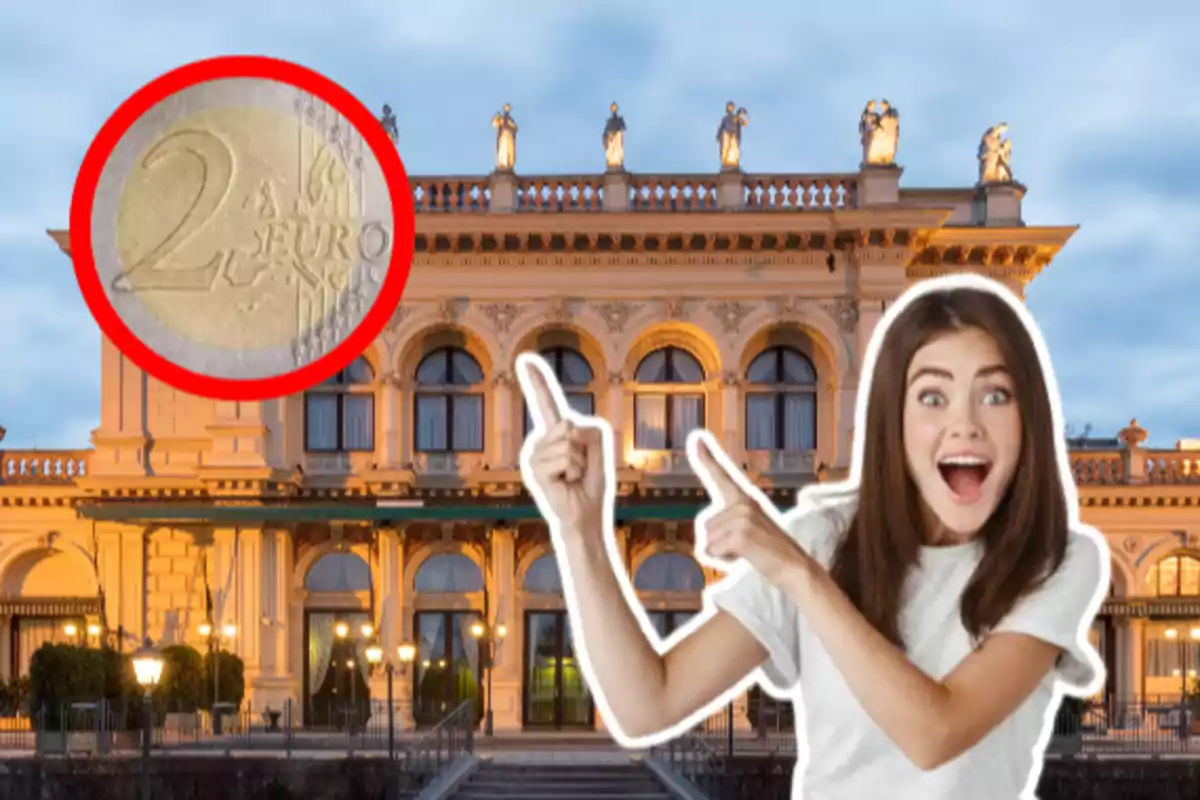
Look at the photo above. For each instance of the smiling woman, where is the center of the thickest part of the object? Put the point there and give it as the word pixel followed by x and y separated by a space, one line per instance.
pixel 926 611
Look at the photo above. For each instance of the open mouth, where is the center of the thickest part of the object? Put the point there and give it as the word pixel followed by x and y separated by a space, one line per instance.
pixel 965 475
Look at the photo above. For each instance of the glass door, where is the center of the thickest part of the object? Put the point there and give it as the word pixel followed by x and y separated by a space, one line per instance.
pixel 446 668
pixel 555 693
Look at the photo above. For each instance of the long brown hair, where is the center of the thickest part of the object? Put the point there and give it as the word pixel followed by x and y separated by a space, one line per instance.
pixel 1024 540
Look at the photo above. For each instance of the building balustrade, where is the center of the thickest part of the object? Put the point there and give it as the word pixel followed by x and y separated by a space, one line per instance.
pixel 623 191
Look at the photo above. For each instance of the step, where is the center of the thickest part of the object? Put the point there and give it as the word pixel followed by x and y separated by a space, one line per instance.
pixel 607 794
pixel 540 788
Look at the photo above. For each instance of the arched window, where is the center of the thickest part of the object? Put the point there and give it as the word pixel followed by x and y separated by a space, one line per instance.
pixel 339 414
pixel 1176 575
pixel 670 401
pixel 448 572
pixel 339 572
pixel 448 415
pixel 781 403
pixel 575 376
pixel 543 576
pixel 669 572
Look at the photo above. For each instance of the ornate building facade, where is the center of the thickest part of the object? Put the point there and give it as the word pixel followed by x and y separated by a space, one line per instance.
pixel 390 497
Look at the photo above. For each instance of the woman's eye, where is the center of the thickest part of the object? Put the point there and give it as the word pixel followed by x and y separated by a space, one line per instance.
pixel 997 397
pixel 930 398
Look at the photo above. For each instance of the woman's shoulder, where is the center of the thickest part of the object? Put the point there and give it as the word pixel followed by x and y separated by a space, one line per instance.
pixel 821 517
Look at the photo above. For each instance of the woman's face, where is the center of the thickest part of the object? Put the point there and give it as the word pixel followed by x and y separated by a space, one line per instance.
pixel 962 431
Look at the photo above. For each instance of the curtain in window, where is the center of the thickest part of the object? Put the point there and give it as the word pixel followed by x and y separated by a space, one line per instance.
pixel 320 647
pixel 321 421
pixel 760 422
pixel 32 634
pixel 687 413
pixel 431 422
pixel 359 421
pixel 651 413
pixel 468 422
pixel 799 422
pixel 1165 657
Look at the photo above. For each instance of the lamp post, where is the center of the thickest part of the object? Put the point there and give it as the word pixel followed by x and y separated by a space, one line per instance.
pixel 406 652
pixel 147 666
pixel 209 631
pixel 489 638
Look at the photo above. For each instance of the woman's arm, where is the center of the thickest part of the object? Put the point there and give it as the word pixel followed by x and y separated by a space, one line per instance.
pixel 648 693
pixel 932 721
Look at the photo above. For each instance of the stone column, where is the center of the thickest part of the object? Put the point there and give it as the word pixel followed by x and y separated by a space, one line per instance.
pixel 502 444
pixel 247 608
pixel 731 419
pixel 506 681
pixel 390 589
pixel 275 684
pixel 618 413
pixel 1136 653
pixel 133 616
pixel 389 454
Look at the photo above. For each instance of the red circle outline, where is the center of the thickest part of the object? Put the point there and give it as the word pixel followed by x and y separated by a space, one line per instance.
pixel 403 227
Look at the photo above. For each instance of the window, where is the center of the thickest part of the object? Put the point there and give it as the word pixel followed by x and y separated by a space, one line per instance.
pixel 448 414
pixel 339 414
pixel 543 576
pixel 781 404
pixel 669 572
pixel 1175 576
pixel 448 572
pixel 664 415
pixel 574 374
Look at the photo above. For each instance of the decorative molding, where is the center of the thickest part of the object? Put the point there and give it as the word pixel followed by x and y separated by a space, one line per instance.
pixel 787 307
pixel 504 379
pixel 617 378
pixel 616 313
pixel 447 309
pixel 502 314
pixel 674 308
pixel 558 309
pixel 731 378
pixel 731 314
pixel 398 316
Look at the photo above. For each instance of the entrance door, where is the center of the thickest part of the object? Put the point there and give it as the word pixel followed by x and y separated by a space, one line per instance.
pixel 555 694
pixel 446 667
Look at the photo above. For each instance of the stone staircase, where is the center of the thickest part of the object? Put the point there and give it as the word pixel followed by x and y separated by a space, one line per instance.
pixel 562 781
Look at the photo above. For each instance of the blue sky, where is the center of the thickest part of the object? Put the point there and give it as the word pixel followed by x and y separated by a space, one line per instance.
pixel 1101 99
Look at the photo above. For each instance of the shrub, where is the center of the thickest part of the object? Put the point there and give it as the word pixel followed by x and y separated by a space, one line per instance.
pixel 232 684
pixel 181 688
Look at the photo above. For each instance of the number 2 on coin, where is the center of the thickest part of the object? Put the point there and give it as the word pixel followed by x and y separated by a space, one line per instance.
pixel 217 161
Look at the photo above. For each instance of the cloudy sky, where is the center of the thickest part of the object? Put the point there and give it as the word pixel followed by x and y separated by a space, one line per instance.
pixel 1101 98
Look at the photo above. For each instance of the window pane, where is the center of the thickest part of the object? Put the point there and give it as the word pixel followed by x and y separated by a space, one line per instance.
pixel 543 576
pixel 761 425
pixel 581 402
pixel 431 422
pixel 575 369
pixel 1189 576
pixel 799 422
pixel 685 368
pixel 433 369
pixel 321 421
pixel 650 414
pixel 359 371
pixel 797 368
pixel 358 421
pixel 653 368
pixel 465 369
pixel 687 414
pixel 763 368
pixel 468 422
pixel 1168 576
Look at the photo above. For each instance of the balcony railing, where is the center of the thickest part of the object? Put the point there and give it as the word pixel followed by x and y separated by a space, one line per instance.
pixel 1132 466
pixel 433 194
pixel 42 467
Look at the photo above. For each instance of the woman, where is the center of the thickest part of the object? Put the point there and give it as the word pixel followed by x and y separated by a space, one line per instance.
pixel 925 628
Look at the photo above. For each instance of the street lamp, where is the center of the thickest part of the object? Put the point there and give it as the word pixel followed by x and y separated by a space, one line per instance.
pixel 489 639
pixel 406 653
pixel 148 667
pixel 209 632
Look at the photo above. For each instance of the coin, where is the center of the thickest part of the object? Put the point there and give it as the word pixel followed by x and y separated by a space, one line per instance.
pixel 242 228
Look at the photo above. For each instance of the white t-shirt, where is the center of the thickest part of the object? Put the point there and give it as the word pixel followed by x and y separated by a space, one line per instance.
pixel 849 755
